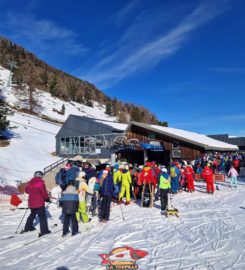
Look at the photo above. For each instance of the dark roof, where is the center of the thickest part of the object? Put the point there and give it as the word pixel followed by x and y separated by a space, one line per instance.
pixel 76 124
pixel 239 141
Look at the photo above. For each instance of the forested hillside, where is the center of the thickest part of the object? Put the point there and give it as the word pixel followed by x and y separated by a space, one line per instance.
pixel 32 73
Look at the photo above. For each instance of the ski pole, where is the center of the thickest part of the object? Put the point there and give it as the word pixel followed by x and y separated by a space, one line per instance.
pixel 122 212
pixel 21 220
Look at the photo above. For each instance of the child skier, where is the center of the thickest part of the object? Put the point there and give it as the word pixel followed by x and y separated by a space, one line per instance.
pixel 189 174
pixel 117 177
pixel 208 174
pixel 106 192
pixel 82 189
pixel 164 186
pixel 126 182
pixel 233 174
pixel 69 202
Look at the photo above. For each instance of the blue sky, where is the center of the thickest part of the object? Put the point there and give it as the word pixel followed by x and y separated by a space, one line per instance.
pixel 184 60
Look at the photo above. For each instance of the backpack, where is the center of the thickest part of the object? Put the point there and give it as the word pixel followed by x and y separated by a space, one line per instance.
pixel 173 172
pixel 60 178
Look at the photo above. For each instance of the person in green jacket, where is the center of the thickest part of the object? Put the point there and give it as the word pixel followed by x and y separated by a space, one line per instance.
pixel 82 190
pixel 164 186
pixel 126 182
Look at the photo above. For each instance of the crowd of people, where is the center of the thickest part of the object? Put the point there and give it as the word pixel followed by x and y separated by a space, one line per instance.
pixel 86 188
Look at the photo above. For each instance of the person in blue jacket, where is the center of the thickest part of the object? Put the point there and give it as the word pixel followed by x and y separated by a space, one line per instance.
pixel 174 174
pixel 70 202
pixel 106 192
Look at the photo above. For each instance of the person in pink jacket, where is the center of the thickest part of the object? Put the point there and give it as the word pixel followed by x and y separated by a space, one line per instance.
pixel 38 195
pixel 233 175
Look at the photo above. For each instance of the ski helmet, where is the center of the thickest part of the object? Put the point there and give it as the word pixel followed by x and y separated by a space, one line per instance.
pixel 38 174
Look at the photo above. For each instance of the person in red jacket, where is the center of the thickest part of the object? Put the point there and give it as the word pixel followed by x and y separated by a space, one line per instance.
pixel 148 181
pixel 38 195
pixel 189 175
pixel 207 175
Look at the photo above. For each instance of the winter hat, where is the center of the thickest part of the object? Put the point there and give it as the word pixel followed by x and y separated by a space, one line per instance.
pixel 38 174
pixel 164 170
pixel 148 164
pixel 67 166
pixel 126 167
pixel 116 166
pixel 81 176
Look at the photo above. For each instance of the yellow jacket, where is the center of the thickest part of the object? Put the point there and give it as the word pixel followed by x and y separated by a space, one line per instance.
pixel 126 178
pixel 117 177
pixel 83 188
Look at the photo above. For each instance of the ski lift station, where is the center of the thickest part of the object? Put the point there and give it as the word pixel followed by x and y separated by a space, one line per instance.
pixel 135 142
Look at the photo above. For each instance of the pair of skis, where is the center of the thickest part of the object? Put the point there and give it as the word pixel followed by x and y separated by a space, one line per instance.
pixel 24 233
pixel 151 189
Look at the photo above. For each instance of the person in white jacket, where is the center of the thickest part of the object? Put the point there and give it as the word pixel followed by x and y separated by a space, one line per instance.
pixel 82 189
pixel 233 176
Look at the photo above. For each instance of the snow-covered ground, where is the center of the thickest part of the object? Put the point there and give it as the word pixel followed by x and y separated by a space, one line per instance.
pixel 210 234
pixel 30 148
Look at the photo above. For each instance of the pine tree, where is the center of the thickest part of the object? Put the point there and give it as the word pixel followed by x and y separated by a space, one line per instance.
pixel 136 115
pixel 4 111
pixel 108 108
pixel 87 98
pixel 52 88
pixel 63 109
pixel 114 107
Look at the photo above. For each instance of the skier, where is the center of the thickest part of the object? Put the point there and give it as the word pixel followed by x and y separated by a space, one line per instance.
pixel 189 174
pixel 69 202
pixel 164 186
pixel 38 195
pixel 117 178
pixel 174 174
pixel 183 178
pixel 199 169
pixel 148 183
pixel 126 182
pixel 82 189
pixel 233 174
pixel 106 192
pixel 207 175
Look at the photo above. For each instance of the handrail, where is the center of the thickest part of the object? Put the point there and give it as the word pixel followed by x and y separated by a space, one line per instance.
pixel 54 165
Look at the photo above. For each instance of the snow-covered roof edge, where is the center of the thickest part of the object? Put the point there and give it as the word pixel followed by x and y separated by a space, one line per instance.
pixel 191 137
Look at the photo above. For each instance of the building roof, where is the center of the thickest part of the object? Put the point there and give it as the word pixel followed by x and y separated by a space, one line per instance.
pixel 76 124
pixel 115 125
pixel 191 137
pixel 239 141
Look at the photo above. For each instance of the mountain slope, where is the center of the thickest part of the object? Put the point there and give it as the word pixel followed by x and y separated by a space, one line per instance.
pixel 30 73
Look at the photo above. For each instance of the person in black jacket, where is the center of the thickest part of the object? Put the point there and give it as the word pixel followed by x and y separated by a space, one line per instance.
pixel 69 202
pixel 106 192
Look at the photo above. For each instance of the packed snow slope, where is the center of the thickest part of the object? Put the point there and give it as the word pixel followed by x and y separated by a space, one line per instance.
pixel 210 234
pixel 30 148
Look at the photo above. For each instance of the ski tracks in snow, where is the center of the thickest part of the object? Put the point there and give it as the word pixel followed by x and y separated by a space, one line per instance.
pixel 209 235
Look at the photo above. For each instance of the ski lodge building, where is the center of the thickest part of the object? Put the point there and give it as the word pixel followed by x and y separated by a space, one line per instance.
pixel 135 142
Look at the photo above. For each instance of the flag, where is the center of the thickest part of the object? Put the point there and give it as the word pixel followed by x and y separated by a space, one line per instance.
pixel 15 200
